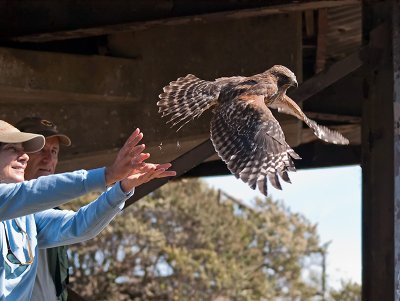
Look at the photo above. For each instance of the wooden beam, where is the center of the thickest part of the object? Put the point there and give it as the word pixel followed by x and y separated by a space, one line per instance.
pixel 381 153
pixel 164 152
pixel 40 77
pixel 181 165
pixel 321 40
pixel 326 78
pixel 309 23
pixel 320 154
pixel 350 131
pixel 35 77
pixel 213 13
pixel 314 155
pixel 396 116
pixel 333 117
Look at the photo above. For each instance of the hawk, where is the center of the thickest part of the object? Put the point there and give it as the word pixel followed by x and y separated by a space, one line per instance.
pixel 244 132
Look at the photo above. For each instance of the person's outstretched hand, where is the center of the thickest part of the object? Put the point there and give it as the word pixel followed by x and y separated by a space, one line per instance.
pixel 145 174
pixel 129 159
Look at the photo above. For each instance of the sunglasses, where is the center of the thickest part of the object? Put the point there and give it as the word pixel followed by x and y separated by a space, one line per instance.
pixel 12 258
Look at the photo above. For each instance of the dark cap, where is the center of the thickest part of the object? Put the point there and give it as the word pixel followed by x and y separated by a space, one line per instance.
pixel 31 142
pixel 43 127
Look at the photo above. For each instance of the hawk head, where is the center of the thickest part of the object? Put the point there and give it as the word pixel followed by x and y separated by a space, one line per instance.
pixel 285 77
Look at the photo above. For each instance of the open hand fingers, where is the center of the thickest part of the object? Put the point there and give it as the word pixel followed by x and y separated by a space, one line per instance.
pixel 134 138
pixel 149 171
pixel 142 168
pixel 163 166
pixel 138 159
pixel 159 171
pixel 130 148
pixel 145 173
pixel 165 172
pixel 162 173
pixel 136 150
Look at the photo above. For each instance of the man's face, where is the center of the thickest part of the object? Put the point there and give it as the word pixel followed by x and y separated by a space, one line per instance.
pixel 43 162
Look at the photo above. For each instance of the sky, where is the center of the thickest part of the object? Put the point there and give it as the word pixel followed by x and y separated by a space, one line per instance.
pixel 329 197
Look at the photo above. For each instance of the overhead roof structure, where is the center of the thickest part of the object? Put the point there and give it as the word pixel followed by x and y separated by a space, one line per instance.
pixel 96 69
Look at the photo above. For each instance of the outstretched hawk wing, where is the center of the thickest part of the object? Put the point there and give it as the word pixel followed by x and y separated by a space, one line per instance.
pixel 251 142
pixel 188 97
pixel 288 106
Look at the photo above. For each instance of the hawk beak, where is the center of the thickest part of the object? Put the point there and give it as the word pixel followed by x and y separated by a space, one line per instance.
pixel 294 83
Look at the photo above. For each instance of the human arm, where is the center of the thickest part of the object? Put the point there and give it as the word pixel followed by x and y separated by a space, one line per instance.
pixel 63 227
pixel 20 199
pixel 57 227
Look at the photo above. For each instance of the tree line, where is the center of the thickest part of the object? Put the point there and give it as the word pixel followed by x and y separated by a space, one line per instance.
pixel 187 241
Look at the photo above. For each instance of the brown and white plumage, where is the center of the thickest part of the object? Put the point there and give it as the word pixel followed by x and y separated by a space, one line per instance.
pixel 244 132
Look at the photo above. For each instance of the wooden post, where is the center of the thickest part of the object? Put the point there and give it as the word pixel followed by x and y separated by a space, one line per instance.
pixel 396 111
pixel 381 152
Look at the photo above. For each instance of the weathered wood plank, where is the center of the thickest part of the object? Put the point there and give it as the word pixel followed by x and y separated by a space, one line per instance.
pixel 181 165
pixel 320 60
pixel 350 131
pixel 326 78
pixel 32 76
pixel 396 115
pixel 207 12
pixel 380 154
pixel 309 23
pixel 163 152
pixel 333 117
pixel 157 57
pixel 314 155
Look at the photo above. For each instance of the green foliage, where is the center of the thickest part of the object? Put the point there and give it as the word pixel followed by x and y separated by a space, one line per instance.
pixel 189 242
pixel 349 291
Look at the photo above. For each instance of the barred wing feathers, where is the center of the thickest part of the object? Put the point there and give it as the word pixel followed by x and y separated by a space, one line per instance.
pixel 188 97
pixel 252 144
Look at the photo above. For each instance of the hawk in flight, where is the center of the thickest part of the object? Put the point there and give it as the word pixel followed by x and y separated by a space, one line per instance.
pixel 244 132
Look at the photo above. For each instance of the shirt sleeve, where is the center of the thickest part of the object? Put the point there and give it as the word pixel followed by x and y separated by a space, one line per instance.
pixel 20 199
pixel 63 227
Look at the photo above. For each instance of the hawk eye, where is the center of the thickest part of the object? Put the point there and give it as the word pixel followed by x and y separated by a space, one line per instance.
pixel 284 80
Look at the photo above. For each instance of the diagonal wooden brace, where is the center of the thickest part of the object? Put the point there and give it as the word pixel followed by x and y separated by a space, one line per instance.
pixel 181 165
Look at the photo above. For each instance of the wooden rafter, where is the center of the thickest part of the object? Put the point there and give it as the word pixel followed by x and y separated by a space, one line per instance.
pixel 380 153
pixel 181 165
pixel 327 77
pixel 320 60
pixel 288 7
pixel 334 117
pixel 309 23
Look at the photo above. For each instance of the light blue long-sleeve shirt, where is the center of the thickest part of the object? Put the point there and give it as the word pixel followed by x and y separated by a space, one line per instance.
pixel 27 206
